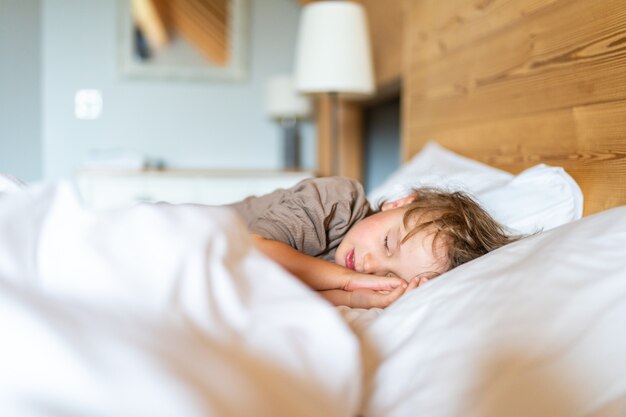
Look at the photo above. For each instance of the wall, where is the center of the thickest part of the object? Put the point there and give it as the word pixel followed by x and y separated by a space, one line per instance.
pixel 382 141
pixel 190 124
pixel 20 88
pixel 519 83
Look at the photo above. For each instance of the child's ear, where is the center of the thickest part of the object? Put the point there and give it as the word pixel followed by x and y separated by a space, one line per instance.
pixel 398 203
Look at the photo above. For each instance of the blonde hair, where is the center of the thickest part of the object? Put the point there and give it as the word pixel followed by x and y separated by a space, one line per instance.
pixel 466 230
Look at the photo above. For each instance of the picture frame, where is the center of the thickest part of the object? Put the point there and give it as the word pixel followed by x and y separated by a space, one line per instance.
pixel 181 62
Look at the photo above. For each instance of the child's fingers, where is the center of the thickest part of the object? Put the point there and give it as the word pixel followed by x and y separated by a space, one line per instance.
pixel 373 282
pixel 413 284
pixel 368 298
pixel 386 299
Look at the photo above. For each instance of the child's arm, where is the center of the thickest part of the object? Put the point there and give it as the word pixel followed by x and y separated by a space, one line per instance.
pixel 369 290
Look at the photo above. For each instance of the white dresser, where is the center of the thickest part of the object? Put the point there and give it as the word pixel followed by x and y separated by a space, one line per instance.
pixel 106 189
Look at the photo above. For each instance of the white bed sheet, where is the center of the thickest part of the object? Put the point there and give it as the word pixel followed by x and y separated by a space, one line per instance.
pixel 536 328
pixel 158 310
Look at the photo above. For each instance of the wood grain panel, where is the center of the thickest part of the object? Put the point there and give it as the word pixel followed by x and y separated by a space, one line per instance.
pixel 455 24
pixel 589 142
pixel 559 57
pixel 385 22
pixel 513 83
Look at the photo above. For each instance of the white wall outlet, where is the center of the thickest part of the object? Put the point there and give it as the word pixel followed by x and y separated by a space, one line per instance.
pixel 88 104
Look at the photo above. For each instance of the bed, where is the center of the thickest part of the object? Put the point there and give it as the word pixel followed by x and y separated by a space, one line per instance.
pixel 111 313
pixel 534 328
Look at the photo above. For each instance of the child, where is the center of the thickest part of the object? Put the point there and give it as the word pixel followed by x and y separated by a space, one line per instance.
pixel 375 257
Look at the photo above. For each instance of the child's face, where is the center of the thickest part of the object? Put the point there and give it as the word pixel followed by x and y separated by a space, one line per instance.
pixel 373 246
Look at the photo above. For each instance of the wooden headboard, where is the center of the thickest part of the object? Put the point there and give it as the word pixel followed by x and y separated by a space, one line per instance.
pixel 514 83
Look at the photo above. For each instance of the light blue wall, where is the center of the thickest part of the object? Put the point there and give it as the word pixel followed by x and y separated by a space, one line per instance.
pixel 189 124
pixel 20 89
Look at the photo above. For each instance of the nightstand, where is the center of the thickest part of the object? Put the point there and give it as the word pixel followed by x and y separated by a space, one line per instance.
pixel 107 189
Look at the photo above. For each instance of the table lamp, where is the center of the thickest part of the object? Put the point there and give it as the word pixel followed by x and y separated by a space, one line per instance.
pixel 333 56
pixel 285 104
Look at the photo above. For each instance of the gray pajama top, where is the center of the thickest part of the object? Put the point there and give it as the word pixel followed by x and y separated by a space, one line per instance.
pixel 313 216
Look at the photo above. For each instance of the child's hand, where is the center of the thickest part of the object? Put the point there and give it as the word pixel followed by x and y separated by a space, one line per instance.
pixel 373 282
pixel 366 298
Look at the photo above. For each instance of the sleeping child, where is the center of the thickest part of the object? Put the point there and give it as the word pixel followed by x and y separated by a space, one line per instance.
pixel 324 232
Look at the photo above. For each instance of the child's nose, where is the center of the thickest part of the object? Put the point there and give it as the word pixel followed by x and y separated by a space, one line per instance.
pixel 370 264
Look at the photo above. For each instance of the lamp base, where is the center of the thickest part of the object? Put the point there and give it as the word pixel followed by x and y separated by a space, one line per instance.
pixel 291 144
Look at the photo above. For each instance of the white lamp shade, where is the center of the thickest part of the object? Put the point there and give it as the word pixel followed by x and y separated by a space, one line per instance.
pixel 282 100
pixel 333 51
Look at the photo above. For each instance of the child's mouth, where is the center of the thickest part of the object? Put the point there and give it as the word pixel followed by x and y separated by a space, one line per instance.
pixel 350 259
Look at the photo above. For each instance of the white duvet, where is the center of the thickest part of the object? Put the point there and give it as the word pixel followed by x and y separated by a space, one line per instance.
pixel 164 310
pixel 158 310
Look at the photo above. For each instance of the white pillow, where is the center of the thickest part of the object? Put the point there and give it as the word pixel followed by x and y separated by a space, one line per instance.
pixel 535 328
pixel 539 198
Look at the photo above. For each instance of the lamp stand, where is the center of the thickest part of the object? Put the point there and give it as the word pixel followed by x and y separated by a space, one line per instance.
pixel 334 131
pixel 291 143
